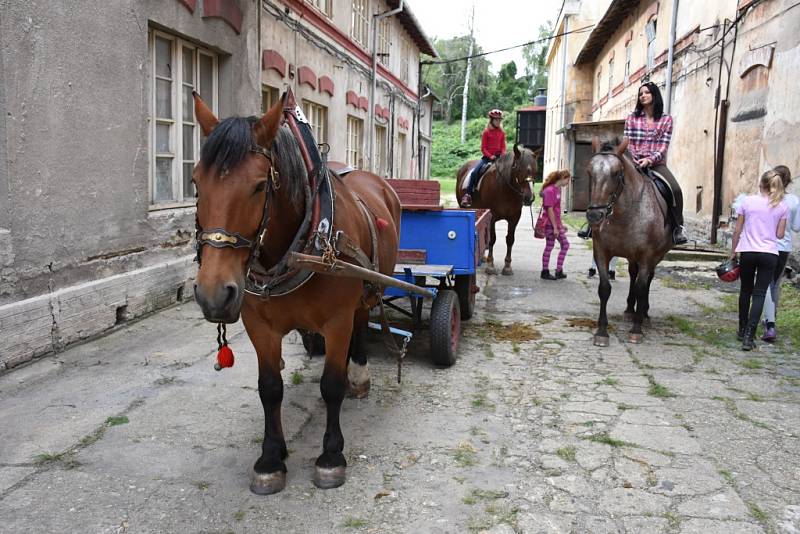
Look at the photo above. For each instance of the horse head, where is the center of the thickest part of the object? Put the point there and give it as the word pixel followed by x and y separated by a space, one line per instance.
pixel 232 179
pixel 606 172
pixel 520 175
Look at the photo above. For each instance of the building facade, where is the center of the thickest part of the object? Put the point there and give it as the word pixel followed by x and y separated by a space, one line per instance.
pixel 98 139
pixel 728 89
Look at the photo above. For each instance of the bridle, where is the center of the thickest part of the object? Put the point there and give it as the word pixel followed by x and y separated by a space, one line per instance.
pixel 510 183
pixel 608 208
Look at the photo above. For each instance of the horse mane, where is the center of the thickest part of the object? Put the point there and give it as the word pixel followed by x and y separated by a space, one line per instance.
pixel 230 142
pixel 505 162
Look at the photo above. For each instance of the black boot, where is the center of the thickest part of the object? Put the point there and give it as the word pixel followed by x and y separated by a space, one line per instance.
pixel 560 275
pixel 546 275
pixel 679 236
pixel 747 342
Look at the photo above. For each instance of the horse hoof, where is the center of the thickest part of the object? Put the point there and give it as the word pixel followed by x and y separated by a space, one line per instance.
pixel 357 391
pixel 329 477
pixel 357 380
pixel 267 483
pixel 628 316
pixel 636 339
pixel 507 270
pixel 601 341
pixel 491 270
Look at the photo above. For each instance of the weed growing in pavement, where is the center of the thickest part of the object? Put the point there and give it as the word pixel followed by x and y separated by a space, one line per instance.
pixel 730 404
pixel 622 407
pixel 604 438
pixel 202 485
pixel 657 390
pixel 239 515
pixel 65 459
pixel 297 378
pixel 476 495
pixel 566 453
pixel 755 397
pixel 354 522
pixel 727 476
pixel 608 382
pixel 756 512
pixel 465 454
pixel 752 363
pixel 118 420
pixel 673 520
pixel 692 285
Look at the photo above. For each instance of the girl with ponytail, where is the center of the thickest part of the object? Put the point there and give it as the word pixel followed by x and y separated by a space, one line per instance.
pixel 760 224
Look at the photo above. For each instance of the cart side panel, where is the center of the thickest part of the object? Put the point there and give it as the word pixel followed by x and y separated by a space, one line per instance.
pixel 483 222
pixel 448 236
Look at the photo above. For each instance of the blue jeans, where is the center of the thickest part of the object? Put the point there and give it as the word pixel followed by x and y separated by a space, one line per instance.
pixel 476 174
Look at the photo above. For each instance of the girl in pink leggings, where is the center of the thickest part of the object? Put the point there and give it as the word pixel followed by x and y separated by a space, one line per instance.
pixel 554 229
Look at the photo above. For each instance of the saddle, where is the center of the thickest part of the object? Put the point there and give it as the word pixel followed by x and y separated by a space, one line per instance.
pixel 470 176
pixel 661 184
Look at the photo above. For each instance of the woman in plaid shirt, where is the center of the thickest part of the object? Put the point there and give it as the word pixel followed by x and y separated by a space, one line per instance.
pixel 649 131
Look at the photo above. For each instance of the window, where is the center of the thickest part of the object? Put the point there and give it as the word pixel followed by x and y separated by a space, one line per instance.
pixel 318 119
pixel 269 96
pixel 383 42
pixel 650 29
pixel 322 5
pixel 359 27
pixel 610 77
pixel 402 167
pixel 355 136
pixel 380 150
pixel 628 52
pixel 599 77
pixel 177 68
pixel 405 58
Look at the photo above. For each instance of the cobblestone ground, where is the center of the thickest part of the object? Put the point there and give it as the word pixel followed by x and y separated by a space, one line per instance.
pixel 533 430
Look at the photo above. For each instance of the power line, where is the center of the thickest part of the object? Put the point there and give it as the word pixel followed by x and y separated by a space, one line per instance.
pixel 481 54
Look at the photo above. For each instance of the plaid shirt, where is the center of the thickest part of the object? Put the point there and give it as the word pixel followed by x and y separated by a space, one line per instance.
pixel 647 141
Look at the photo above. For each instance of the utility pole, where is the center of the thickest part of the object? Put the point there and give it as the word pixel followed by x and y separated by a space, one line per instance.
pixel 466 78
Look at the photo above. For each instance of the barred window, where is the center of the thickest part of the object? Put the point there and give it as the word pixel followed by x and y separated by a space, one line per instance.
pixel 269 96
pixel 380 150
pixel 651 29
pixel 383 42
pixel 323 5
pixel 628 52
pixel 359 27
pixel 318 119
pixel 355 139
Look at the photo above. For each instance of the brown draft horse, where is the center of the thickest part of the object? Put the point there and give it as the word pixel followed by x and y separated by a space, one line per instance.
pixel 628 218
pixel 235 186
pixel 506 186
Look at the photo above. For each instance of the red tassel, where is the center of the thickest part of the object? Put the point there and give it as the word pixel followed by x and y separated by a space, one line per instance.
pixel 383 224
pixel 224 358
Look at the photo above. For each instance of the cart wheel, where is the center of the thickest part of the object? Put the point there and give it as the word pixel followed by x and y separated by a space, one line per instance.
pixel 466 297
pixel 314 343
pixel 445 328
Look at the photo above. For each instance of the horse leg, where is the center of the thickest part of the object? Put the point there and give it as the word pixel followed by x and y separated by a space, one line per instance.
pixel 490 257
pixel 646 309
pixel 512 228
pixel 604 292
pixel 330 470
pixel 358 380
pixel 630 309
pixel 642 282
pixel 269 471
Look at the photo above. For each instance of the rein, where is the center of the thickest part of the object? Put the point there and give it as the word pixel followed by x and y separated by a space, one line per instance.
pixel 608 208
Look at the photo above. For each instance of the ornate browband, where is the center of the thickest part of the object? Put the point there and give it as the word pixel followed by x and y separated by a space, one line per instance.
pixel 220 238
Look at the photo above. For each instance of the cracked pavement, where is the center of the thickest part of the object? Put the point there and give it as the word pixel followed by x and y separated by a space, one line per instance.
pixel 135 432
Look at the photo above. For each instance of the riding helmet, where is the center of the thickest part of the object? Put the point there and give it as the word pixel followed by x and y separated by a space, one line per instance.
pixel 729 271
pixel 495 114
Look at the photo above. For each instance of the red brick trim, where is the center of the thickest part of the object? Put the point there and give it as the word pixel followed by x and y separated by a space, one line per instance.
pixel 652 12
pixel 191 5
pixel 271 59
pixel 611 55
pixel 226 10
pixel 321 22
pixel 595 107
pixel 307 76
pixel 637 74
pixel 363 103
pixel 618 89
pixel 403 123
pixel 326 85
pixel 351 98
pixel 604 100
pixel 629 38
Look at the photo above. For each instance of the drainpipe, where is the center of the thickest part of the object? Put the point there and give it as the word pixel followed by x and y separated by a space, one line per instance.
pixel 419 122
pixel 672 29
pixel 374 74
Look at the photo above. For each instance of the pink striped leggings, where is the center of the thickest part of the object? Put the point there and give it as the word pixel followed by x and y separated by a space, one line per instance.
pixel 550 243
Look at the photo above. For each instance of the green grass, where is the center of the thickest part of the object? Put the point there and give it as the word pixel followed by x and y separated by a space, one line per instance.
pixel 657 390
pixel 717 336
pixel 606 439
pixel 354 522
pixel 757 513
pixel 788 322
pixel 752 363
pixel 727 476
pixel 476 495
pixel 609 381
pixel 448 187
pixel 297 378
pixel 465 454
pixel 117 420
pixel 566 453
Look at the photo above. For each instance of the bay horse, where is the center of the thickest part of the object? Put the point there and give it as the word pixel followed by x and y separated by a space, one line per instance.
pixel 629 219
pixel 505 187
pixel 253 189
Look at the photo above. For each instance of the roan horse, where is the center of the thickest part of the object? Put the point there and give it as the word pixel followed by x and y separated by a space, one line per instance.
pixel 505 187
pixel 628 218
pixel 252 187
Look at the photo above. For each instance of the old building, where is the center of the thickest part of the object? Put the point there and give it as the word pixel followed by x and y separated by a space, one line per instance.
pixel 98 137
pixel 725 69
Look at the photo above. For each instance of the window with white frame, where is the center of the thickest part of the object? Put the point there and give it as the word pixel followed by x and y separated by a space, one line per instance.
pixel 269 96
pixel 355 140
pixel 383 42
pixel 323 5
pixel 177 68
pixel 599 78
pixel 405 60
pixel 610 77
pixel 318 120
pixel 650 30
pixel 628 52
pixel 359 27
pixel 402 166
pixel 380 150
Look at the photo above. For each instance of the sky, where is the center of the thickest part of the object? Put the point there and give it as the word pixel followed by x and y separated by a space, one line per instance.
pixel 498 23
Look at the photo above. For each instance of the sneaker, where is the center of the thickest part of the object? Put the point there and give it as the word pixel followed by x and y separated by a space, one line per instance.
pixel 592 272
pixel 547 276
pixel 612 275
pixel 466 200
pixel 560 275
pixel 770 335
pixel 679 236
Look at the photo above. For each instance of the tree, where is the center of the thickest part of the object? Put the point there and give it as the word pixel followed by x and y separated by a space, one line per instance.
pixel 536 60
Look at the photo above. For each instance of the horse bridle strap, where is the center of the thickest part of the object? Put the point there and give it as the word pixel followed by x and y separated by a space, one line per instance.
pixel 608 208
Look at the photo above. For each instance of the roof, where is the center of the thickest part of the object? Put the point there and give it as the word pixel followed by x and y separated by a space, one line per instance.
pixel 603 30
pixel 413 27
pixel 533 108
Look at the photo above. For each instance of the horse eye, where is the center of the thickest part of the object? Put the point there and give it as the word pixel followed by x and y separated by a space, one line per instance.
pixel 260 187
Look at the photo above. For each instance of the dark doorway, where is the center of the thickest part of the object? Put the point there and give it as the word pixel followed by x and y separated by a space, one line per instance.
pixel 580 180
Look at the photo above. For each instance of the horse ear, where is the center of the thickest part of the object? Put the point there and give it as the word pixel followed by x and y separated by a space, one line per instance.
pixel 266 129
pixel 595 144
pixel 204 115
pixel 622 146
pixel 538 152
pixel 516 151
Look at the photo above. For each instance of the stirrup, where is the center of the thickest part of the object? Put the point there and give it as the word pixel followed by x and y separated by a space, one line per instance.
pixel 679 236
pixel 466 200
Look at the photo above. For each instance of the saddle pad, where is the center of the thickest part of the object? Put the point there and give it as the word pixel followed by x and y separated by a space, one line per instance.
pixel 344 171
pixel 663 187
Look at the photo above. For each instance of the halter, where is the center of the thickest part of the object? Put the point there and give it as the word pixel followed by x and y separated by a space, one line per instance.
pixel 513 187
pixel 608 208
